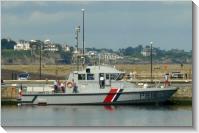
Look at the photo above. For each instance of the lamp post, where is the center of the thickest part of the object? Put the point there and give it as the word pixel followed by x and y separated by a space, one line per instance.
pixel 40 62
pixel 77 30
pixel 151 61
pixel 83 10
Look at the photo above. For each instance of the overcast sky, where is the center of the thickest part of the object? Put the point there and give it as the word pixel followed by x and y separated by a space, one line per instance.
pixel 107 24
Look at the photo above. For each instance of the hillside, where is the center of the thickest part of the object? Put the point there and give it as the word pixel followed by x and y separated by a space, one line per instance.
pixel 130 55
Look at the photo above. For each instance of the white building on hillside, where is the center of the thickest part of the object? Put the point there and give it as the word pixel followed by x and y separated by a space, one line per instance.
pixel 91 53
pixel 110 56
pixel 22 45
pixel 49 46
pixel 147 51
pixel 66 48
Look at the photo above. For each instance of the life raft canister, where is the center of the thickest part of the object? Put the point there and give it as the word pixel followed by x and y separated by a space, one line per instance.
pixel 69 84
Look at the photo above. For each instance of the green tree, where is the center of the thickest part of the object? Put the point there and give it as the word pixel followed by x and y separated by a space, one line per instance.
pixel 7 44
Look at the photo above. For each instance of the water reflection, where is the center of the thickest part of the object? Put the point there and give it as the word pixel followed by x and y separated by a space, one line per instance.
pixel 147 107
pixel 109 107
pixel 118 115
pixel 58 108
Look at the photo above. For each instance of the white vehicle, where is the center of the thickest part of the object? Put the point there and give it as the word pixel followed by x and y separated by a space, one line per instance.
pixel 24 76
pixel 177 75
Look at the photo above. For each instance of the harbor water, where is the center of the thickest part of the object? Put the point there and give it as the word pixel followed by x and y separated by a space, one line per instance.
pixel 120 115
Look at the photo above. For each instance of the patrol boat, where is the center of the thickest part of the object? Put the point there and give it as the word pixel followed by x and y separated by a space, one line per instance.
pixel 91 90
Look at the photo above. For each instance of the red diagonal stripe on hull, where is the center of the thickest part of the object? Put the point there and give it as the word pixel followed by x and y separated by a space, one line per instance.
pixel 110 95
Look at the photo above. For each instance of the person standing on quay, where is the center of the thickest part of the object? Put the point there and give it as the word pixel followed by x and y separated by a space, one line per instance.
pixel 166 80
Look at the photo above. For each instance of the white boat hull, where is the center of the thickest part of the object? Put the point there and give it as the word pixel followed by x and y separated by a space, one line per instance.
pixel 117 96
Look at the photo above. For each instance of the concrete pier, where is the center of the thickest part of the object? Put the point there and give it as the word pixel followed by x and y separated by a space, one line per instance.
pixel 9 95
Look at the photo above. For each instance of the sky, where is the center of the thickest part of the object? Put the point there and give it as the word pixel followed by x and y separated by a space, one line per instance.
pixel 108 24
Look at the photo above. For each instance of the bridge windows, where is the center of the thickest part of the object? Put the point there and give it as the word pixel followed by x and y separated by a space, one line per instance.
pixel 90 77
pixel 81 77
pixel 107 76
pixel 114 76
